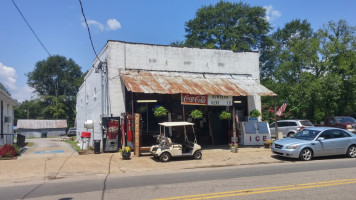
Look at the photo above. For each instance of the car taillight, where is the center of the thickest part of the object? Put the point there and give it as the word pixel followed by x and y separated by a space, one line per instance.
pixel 301 128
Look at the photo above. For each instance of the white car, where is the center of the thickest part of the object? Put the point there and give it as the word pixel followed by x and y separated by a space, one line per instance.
pixel 166 149
pixel 289 127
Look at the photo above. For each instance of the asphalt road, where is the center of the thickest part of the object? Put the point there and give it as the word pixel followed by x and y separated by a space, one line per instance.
pixel 328 178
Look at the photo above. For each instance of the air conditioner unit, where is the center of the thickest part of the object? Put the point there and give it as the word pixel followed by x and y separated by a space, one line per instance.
pixel 7 119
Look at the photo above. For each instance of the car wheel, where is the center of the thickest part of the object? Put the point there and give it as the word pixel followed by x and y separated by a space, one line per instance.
pixel 306 154
pixel 351 152
pixel 290 134
pixel 165 157
pixel 198 154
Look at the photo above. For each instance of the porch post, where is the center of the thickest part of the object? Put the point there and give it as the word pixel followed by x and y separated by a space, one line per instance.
pixel 275 118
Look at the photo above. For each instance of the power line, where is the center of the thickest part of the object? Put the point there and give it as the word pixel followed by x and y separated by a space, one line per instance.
pixel 23 17
pixel 85 19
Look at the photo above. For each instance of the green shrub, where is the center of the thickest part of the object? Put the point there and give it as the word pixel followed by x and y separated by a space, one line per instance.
pixel 225 115
pixel 160 111
pixel 196 114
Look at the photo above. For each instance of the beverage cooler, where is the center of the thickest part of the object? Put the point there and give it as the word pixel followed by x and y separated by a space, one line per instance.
pixel 111 134
pixel 253 133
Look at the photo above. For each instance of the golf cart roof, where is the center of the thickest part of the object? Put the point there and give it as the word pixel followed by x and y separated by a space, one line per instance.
pixel 176 124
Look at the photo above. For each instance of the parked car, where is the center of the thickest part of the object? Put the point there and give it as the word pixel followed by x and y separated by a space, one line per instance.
pixel 348 123
pixel 72 131
pixel 166 149
pixel 289 127
pixel 316 141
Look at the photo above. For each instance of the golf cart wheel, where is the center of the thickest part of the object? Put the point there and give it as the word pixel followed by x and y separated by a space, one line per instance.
pixel 351 152
pixel 165 157
pixel 306 154
pixel 198 154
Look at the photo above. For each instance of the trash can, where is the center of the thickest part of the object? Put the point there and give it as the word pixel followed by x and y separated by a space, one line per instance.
pixel 97 146
pixel 85 138
pixel 20 140
pixel 43 134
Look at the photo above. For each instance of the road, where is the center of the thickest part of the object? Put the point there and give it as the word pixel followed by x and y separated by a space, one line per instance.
pixel 327 178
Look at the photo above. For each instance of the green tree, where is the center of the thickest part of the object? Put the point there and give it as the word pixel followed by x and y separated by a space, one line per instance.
pixel 28 109
pixel 56 80
pixel 4 89
pixel 234 26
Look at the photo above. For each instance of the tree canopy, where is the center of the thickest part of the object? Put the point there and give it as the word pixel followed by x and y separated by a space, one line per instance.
pixel 315 70
pixel 56 80
pixel 235 26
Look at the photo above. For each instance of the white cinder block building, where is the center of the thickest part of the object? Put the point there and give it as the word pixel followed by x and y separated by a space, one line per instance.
pixel 7 105
pixel 136 78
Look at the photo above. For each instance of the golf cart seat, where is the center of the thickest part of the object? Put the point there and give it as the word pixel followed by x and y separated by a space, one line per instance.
pixel 169 142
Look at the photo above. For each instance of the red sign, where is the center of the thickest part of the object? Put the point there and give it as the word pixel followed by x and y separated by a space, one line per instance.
pixel 194 99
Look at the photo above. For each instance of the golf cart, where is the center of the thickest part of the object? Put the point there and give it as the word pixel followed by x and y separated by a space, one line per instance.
pixel 166 149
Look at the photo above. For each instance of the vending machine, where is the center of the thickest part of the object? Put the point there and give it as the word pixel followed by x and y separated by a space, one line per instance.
pixel 111 134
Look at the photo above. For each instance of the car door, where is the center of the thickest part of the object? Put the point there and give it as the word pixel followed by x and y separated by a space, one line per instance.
pixel 326 145
pixel 341 141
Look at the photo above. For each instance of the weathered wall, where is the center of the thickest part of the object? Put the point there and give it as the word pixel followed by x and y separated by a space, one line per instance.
pixel 122 55
pixel 38 132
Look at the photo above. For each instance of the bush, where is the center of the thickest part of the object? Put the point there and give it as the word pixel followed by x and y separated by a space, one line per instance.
pixel 8 151
pixel 255 113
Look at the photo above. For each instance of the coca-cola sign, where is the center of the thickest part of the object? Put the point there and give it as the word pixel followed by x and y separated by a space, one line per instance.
pixel 194 99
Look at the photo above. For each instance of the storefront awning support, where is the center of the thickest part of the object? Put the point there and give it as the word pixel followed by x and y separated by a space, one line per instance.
pixel 275 118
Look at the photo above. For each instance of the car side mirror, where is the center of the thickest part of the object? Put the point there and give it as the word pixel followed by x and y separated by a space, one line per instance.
pixel 321 139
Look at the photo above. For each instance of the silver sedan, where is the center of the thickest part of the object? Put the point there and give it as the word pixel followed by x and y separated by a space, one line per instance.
pixel 317 141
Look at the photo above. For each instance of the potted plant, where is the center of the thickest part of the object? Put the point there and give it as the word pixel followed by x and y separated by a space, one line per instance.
pixel 196 114
pixel 268 143
pixel 160 111
pixel 225 115
pixel 255 113
pixel 126 153
pixel 234 147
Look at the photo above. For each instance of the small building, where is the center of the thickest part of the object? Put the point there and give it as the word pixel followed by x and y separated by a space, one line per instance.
pixel 41 128
pixel 129 78
pixel 7 105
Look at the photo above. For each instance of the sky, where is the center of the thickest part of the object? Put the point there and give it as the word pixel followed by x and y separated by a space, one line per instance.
pixel 59 25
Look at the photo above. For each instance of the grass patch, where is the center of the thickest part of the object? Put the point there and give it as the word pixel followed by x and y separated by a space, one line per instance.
pixel 73 143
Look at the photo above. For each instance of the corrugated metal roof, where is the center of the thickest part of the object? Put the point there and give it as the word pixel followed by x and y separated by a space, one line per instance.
pixel 192 83
pixel 40 124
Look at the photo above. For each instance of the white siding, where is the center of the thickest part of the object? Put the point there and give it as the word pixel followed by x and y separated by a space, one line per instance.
pixel 121 55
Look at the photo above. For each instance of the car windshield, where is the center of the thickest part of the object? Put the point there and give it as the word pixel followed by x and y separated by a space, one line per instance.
pixel 306 123
pixel 345 120
pixel 306 134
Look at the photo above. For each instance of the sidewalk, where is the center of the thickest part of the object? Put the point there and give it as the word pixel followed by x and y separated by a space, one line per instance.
pixel 74 165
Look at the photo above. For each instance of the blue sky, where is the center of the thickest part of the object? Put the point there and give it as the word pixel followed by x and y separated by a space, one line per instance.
pixel 59 25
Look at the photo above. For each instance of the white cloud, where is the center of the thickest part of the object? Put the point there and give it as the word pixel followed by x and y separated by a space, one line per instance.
pixel 94 23
pixel 23 93
pixel 113 24
pixel 8 77
pixel 271 13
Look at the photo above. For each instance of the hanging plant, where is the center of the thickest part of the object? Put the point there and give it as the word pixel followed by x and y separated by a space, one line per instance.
pixel 196 114
pixel 160 111
pixel 225 115
pixel 255 113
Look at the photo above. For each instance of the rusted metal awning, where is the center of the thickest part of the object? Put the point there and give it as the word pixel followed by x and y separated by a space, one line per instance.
pixel 191 83
pixel 41 124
